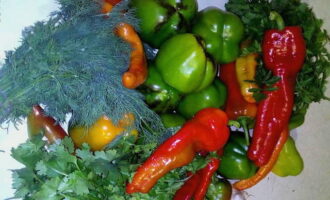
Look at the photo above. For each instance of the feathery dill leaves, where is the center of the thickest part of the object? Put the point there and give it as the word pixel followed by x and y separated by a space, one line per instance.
pixel 59 171
pixel 73 63
pixel 311 80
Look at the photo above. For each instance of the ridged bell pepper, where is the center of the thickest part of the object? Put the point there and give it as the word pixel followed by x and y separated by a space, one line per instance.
pixel 160 20
pixel 234 162
pixel 197 185
pixel 38 122
pixel 284 53
pixel 222 32
pixel 245 73
pixel 207 132
pixel 159 95
pixel 213 96
pixel 183 64
pixel 220 189
pixel 289 162
pixel 102 132
pixel 235 105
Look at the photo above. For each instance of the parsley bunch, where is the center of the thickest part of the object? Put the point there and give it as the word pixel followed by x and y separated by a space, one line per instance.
pixel 60 171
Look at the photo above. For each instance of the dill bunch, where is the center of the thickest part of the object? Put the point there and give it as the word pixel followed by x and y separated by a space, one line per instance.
pixel 72 64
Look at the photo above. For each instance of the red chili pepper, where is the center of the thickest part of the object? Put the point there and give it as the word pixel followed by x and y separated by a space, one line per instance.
pixel 196 186
pixel 206 131
pixel 236 105
pixel 38 122
pixel 284 52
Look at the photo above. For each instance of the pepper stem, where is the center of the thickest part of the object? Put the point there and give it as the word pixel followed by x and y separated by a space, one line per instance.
pixel 244 125
pixel 275 16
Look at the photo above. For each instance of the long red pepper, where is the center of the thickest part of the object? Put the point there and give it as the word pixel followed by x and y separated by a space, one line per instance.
pixel 197 185
pixel 236 105
pixel 283 53
pixel 206 131
pixel 38 122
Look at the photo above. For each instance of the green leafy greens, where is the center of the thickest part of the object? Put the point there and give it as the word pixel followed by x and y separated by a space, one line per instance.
pixel 72 64
pixel 59 171
pixel 311 80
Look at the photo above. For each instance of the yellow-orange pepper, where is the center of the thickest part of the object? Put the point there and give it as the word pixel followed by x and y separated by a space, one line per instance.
pixel 102 132
pixel 245 72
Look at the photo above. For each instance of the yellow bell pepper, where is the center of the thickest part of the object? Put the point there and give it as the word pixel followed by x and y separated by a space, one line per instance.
pixel 245 72
pixel 102 132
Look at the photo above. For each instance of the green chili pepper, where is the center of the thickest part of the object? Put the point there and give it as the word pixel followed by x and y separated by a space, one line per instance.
pixel 212 96
pixel 160 20
pixel 234 161
pixel 222 32
pixel 289 162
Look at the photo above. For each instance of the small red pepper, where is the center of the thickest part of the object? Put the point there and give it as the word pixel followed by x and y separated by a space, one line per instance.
pixel 197 185
pixel 283 53
pixel 38 122
pixel 236 105
pixel 206 131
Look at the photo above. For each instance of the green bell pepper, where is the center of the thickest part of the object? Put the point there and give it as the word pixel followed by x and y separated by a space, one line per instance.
pixel 158 95
pixel 234 161
pixel 289 162
pixel 213 96
pixel 160 20
pixel 183 64
pixel 219 189
pixel 222 32
pixel 172 120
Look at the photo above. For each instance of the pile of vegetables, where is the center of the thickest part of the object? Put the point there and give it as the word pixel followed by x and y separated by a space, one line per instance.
pixel 161 97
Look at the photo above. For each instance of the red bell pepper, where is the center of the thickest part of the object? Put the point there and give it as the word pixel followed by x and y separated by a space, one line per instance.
pixel 206 131
pixel 236 105
pixel 38 122
pixel 197 185
pixel 283 53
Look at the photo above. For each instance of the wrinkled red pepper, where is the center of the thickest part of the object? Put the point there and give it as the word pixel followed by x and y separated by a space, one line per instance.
pixel 38 122
pixel 206 131
pixel 197 185
pixel 236 105
pixel 283 53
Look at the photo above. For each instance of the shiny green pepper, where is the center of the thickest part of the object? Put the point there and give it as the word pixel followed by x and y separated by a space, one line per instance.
pixel 183 64
pixel 160 20
pixel 219 190
pixel 222 32
pixel 213 96
pixel 158 95
pixel 234 161
pixel 289 162
pixel 172 120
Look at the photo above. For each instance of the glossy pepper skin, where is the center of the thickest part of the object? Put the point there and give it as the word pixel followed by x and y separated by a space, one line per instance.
pixel 222 32
pixel 102 132
pixel 213 96
pixel 207 131
pixel 172 120
pixel 289 162
pixel 197 185
pixel 183 64
pixel 220 189
pixel 235 105
pixel 234 161
pixel 159 95
pixel 38 122
pixel 245 73
pixel 160 20
pixel 283 53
